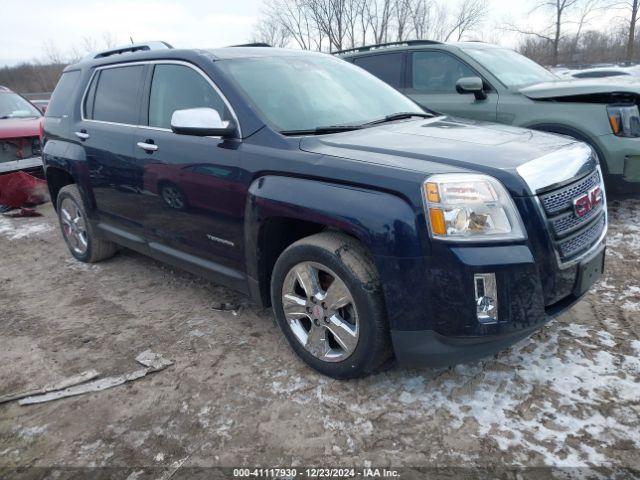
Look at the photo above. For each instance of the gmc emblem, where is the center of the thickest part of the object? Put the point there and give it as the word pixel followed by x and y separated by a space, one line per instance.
pixel 587 202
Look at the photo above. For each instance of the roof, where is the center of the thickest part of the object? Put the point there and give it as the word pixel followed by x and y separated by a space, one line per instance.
pixel 4 89
pixel 252 52
pixel 413 45
pixel 157 50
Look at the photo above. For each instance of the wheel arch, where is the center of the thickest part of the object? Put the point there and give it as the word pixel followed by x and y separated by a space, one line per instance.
pixel 57 178
pixel 282 210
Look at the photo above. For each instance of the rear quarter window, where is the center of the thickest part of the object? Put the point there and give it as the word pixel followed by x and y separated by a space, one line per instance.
pixel 117 95
pixel 387 67
pixel 63 95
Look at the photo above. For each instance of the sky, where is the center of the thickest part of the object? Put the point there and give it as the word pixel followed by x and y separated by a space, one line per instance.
pixel 29 25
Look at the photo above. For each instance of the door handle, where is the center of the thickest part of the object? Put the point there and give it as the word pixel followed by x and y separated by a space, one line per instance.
pixel 82 134
pixel 148 147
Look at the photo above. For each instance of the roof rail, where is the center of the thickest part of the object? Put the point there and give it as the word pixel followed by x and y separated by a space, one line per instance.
pixel 368 48
pixel 135 47
pixel 256 44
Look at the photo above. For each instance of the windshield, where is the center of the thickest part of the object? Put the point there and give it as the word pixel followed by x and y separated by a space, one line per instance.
pixel 13 105
pixel 511 68
pixel 303 93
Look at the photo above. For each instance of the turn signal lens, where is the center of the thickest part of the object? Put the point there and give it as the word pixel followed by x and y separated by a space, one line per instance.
pixel 432 192
pixel 438 226
pixel 615 126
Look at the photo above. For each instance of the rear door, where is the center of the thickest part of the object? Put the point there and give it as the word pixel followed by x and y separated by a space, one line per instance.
pixel 193 198
pixel 111 111
pixel 431 81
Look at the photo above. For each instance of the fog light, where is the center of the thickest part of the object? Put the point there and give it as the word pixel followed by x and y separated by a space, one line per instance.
pixel 486 297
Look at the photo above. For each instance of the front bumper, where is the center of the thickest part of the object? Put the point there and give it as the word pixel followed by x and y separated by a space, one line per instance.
pixel 522 312
pixel 32 163
pixel 622 157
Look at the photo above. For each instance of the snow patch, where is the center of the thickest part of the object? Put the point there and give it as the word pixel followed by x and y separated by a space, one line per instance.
pixel 15 230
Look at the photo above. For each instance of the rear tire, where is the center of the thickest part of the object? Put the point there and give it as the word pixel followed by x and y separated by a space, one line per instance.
pixel 327 300
pixel 77 231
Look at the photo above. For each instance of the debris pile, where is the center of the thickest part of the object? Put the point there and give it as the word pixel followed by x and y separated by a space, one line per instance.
pixel 80 384
pixel 19 189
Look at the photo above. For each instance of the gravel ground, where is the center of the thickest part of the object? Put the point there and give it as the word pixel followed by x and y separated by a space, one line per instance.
pixel 237 396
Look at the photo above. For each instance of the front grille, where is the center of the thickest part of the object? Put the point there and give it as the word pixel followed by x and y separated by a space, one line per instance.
pixel 12 149
pixel 581 242
pixel 562 199
pixel 573 235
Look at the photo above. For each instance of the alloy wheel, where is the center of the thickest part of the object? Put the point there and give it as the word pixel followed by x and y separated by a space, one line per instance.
pixel 320 311
pixel 73 226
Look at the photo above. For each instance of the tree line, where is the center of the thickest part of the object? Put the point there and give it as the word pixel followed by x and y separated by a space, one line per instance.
pixel 333 25
pixel 567 38
pixel 43 74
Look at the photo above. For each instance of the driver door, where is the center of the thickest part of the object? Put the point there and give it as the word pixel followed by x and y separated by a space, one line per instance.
pixel 193 197
pixel 432 83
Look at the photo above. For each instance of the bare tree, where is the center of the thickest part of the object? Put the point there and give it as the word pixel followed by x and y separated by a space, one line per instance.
pixel 588 9
pixel 559 10
pixel 402 10
pixel 632 7
pixel 295 18
pixel 269 30
pixel 331 20
pixel 468 15
pixel 379 18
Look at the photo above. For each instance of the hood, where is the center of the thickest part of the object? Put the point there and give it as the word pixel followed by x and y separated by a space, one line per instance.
pixel 582 86
pixel 20 127
pixel 443 145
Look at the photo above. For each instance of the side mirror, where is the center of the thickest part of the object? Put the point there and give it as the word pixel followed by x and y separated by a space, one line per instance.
pixel 201 122
pixel 471 85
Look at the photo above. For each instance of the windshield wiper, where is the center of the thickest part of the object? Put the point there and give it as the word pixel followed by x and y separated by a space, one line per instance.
pixel 347 128
pixel 322 130
pixel 399 116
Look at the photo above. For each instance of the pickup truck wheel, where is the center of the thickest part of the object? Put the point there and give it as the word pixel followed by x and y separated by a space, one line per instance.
pixel 77 231
pixel 328 302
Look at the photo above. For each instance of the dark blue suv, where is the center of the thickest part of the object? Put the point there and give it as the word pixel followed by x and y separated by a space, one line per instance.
pixel 373 228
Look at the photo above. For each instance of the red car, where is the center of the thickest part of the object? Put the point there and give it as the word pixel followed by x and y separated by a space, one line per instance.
pixel 20 124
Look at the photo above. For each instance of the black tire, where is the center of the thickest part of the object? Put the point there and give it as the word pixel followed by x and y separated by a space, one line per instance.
pixel 351 262
pixel 97 248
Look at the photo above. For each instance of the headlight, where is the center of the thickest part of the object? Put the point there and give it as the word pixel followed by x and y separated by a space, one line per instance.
pixel 624 120
pixel 470 207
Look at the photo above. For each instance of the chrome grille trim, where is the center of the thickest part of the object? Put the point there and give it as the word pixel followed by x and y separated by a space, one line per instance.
pixel 574 160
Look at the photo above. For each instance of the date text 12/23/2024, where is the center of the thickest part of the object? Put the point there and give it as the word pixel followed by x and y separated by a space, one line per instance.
pixel 367 472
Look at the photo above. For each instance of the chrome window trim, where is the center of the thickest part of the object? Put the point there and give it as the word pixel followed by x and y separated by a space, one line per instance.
pixel 155 62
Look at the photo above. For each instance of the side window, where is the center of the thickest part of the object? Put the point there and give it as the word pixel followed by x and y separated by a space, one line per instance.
pixel 60 103
pixel 91 95
pixel 387 67
pixel 116 95
pixel 437 72
pixel 176 87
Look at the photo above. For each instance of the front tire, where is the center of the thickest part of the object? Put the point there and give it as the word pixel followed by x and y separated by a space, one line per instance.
pixel 327 300
pixel 77 231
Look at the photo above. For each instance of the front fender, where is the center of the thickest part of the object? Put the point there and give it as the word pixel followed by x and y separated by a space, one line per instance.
pixel 386 224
